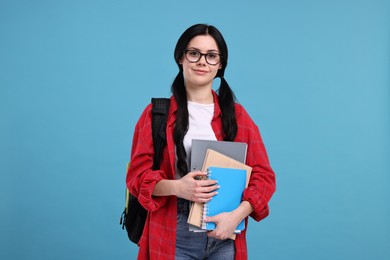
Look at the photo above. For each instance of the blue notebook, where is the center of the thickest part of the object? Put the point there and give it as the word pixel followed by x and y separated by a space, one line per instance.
pixel 232 184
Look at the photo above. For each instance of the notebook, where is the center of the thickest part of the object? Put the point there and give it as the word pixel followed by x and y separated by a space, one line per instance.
pixel 235 150
pixel 213 158
pixel 232 183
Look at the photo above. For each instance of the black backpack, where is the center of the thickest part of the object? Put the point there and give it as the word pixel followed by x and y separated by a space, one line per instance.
pixel 134 215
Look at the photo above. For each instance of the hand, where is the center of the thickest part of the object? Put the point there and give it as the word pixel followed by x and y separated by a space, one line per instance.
pixel 226 223
pixel 190 188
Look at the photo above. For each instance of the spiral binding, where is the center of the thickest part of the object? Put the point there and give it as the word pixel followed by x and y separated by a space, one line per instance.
pixel 205 206
pixel 204 215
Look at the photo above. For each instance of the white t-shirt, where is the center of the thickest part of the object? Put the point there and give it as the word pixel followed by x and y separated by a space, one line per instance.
pixel 199 124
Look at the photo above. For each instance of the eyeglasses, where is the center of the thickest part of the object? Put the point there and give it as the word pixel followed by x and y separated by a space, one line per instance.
pixel 212 58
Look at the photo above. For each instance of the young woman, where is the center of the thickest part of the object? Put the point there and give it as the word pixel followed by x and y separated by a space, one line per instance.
pixel 196 112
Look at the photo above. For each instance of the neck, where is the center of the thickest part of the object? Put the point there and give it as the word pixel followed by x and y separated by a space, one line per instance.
pixel 202 96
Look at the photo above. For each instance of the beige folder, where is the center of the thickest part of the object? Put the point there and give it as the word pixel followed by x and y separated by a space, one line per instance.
pixel 216 159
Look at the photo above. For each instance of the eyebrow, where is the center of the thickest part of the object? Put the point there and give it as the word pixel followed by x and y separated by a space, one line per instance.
pixel 196 49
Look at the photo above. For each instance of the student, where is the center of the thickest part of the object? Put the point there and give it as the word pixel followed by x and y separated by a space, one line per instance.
pixel 196 112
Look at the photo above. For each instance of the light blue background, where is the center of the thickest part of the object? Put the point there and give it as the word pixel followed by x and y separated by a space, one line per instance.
pixel 75 76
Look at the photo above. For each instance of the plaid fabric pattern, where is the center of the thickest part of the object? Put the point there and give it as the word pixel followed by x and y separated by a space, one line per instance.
pixel 159 237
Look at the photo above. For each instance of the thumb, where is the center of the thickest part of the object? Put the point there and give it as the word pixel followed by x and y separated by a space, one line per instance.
pixel 211 219
pixel 197 173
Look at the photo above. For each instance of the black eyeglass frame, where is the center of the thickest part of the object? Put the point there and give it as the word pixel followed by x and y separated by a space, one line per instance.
pixel 205 55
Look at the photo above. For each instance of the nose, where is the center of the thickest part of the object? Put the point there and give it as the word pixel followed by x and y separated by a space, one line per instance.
pixel 202 59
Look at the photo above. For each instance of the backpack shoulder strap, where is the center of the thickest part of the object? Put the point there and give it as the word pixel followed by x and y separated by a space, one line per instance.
pixel 160 109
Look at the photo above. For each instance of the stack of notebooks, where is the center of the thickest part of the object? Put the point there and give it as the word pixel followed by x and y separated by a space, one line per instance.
pixel 224 162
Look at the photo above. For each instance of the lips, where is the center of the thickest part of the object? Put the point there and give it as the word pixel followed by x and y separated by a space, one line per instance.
pixel 200 71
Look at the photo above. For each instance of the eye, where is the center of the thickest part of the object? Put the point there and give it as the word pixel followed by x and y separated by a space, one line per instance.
pixel 193 53
pixel 212 55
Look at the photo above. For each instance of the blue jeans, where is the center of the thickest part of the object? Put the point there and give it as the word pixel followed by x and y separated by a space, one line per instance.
pixel 191 245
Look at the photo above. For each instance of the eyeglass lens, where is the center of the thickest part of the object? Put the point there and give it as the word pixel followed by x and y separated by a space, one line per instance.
pixel 195 56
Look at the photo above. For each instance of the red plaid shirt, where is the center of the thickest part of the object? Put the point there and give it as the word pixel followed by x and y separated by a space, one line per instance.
pixel 159 237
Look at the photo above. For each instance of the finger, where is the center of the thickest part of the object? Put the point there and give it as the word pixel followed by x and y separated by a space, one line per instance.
pixel 208 182
pixel 216 234
pixel 201 200
pixel 209 189
pixel 205 195
pixel 198 175
pixel 211 233
pixel 208 195
pixel 198 188
pixel 211 219
pixel 193 174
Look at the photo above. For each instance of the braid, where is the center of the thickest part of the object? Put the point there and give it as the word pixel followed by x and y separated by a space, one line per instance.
pixel 181 125
pixel 226 103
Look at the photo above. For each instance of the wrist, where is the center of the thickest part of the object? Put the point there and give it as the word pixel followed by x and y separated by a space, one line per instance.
pixel 165 188
pixel 175 187
pixel 242 211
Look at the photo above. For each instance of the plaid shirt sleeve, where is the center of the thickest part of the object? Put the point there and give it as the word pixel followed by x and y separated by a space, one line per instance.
pixel 140 178
pixel 262 182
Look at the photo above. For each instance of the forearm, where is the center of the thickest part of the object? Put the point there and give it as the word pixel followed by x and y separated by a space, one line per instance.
pixel 187 188
pixel 243 211
pixel 165 188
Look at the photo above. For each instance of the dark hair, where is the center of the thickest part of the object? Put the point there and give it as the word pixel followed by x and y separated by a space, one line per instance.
pixel 226 95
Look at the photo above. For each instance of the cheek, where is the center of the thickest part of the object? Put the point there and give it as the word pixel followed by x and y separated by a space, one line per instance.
pixel 217 69
pixel 181 59
pixel 186 72
pixel 185 66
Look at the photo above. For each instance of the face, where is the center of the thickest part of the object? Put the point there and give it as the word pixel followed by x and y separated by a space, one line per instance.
pixel 200 73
